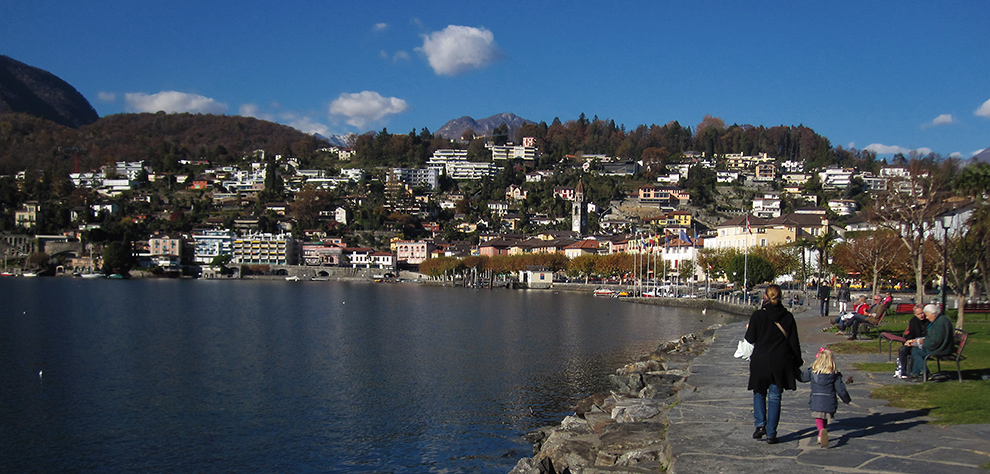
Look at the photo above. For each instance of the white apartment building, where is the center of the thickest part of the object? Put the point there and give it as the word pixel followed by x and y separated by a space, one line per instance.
pixel 424 177
pixel 208 244
pixel 512 152
pixel 767 207
pixel 836 178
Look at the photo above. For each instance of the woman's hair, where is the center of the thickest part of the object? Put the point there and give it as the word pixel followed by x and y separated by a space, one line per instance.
pixel 824 362
pixel 773 294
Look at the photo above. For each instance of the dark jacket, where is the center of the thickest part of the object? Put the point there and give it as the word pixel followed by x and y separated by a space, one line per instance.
pixel 844 295
pixel 824 389
pixel 916 328
pixel 940 339
pixel 775 358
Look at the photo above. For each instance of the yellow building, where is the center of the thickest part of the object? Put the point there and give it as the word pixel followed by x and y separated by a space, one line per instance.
pixel 750 231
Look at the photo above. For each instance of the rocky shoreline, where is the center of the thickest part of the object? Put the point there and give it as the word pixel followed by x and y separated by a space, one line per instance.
pixel 624 431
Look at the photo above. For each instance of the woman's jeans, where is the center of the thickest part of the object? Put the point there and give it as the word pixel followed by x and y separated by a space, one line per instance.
pixel 766 410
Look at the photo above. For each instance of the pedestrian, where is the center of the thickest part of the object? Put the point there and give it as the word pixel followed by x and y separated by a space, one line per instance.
pixel 824 294
pixel 774 363
pixel 844 297
pixel 826 385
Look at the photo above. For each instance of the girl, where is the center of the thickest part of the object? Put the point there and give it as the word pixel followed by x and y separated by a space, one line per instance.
pixel 826 384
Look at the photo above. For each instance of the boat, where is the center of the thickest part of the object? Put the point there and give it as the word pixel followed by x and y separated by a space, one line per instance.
pixel 292 278
pixel 605 292
pixel 92 275
pixel 29 274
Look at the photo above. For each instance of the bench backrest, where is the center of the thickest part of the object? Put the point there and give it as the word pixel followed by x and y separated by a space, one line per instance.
pixel 960 337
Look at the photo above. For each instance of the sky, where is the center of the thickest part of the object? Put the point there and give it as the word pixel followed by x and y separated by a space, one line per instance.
pixel 885 76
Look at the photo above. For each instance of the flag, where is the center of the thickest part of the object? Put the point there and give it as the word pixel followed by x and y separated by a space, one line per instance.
pixel 685 237
pixel 749 229
pixel 710 267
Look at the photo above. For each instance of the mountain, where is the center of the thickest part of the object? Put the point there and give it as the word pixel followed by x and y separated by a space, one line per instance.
pixel 29 90
pixel 454 129
pixel 343 141
pixel 981 157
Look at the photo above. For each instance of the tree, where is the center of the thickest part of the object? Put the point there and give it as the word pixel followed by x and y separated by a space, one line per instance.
pixel 870 255
pixel 907 207
pixel 753 270
pixel 117 258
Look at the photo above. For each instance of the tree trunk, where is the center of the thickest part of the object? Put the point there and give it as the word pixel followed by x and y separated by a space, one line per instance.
pixel 961 317
pixel 919 277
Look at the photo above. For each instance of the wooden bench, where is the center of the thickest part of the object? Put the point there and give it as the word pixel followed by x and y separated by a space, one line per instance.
pixel 904 308
pixel 891 338
pixel 960 337
pixel 976 307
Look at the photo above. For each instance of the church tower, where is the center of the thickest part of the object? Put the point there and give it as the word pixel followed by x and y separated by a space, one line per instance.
pixel 579 213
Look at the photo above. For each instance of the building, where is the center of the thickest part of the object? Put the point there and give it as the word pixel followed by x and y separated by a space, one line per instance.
pixel 209 244
pixel 836 178
pixel 513 152
pixel 843 207
pixel 322 254
pixel 413 252
pixel 265 249
pixel 579 212
pixel 167 252
pixel 746 231
pixel 416 177
pixel 29 215
pixel 767 207
pixel 766 172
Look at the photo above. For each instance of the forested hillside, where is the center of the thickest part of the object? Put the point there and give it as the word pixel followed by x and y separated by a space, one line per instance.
pixel 161 140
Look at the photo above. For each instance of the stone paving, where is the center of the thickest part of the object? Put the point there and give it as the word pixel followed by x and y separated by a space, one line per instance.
pixel 711 428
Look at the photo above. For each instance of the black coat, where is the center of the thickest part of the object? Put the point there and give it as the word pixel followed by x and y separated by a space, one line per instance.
pixel 776 358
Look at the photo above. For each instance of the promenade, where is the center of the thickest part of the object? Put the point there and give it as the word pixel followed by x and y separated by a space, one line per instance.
pixel 711 428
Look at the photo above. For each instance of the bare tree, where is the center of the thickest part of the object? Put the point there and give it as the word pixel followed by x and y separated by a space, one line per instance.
pixel 907 207
pixel 871 255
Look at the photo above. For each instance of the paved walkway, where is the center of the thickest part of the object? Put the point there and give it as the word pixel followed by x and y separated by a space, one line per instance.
pixel 711 429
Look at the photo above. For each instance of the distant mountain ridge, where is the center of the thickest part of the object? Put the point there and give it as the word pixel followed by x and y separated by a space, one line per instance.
pixel 455 128
pixel 30 90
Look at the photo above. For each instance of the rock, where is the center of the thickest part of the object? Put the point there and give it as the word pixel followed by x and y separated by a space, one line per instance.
pixel 634 410
pixel 588 404
pixel 628 384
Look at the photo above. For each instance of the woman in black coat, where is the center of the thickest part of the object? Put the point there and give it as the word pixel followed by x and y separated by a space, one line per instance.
pixel 775 361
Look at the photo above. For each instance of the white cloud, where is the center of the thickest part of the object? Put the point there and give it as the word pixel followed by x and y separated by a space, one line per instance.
pixel 984 110
pixel 365 107
pixel 943 119
pixel 253 110
pixel 456 49
pixel 305 124
pixel 172 102
pixel 400 55
pixel 106 96
pixel 882 149
pixel 379 27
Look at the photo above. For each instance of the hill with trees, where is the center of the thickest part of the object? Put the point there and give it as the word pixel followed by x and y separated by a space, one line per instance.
pixel 30 90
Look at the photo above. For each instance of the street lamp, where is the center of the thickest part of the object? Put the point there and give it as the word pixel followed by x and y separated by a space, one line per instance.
pixel 946 223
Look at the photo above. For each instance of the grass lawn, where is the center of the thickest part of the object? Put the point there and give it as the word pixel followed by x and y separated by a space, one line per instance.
pixel 948 401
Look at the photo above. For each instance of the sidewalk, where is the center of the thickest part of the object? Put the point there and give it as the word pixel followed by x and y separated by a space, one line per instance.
pixel 711 428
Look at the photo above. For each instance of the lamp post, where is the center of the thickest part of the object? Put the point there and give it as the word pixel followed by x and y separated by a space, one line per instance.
pixel 946 223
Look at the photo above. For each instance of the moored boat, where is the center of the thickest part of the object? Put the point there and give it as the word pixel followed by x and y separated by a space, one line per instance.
pixel 605 292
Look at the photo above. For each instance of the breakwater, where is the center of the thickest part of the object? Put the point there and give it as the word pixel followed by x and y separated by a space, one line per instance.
pixel 624 430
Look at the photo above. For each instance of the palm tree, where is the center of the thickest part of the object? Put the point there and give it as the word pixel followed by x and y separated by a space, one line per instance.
pixel 804 244
pixel 823 244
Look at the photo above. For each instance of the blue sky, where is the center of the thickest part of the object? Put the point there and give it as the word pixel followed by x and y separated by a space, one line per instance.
pixel 886 76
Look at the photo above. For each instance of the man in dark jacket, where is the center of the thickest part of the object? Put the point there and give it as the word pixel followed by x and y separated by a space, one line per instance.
pixel 938 341
pixel 774 363
pixel 824 295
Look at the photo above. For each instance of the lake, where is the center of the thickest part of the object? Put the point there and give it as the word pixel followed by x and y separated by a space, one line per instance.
pixel 275 376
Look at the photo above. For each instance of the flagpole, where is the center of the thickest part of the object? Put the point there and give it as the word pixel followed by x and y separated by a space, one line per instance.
pixel 749 231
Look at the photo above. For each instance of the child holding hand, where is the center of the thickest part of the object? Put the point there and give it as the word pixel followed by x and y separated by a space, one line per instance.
pixel 826 385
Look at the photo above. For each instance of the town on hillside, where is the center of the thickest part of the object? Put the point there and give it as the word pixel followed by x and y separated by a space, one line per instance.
pixel 686 217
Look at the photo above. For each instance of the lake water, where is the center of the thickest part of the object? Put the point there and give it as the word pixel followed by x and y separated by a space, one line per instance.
pixel 274 376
